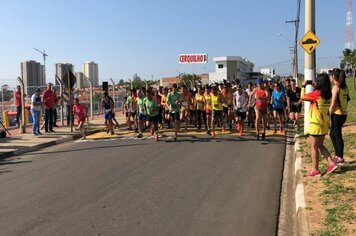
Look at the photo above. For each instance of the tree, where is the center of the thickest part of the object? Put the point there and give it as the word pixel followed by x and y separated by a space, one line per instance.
pixel 137 82
pixel 349 61
pixel 190 80
pixel 121 82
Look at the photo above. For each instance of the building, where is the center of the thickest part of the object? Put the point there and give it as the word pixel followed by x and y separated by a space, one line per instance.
pixel 80 80
pixel 230 68
pixel 269 72
pixel 325 70
pixel 169 81
pixel 91 71
pixel 32 76
pixel 62 69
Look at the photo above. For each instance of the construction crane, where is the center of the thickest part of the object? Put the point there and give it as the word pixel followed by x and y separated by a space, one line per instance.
pixel 44 63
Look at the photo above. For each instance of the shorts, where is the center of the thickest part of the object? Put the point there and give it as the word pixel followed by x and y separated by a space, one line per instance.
pixel 269 108
pixel 192 111
pixel 127 114
pixel 295 108
pixel 175 116
pixel 153 119
pixel 133 114
pixel 226 109
pixel 141 116
pixel 108 115
pixel 317 135
pixel 217 114
pixel 208 112
pixel 80 119
pixel 280 111
pixel 241 114
pixel 166 111
pixel 261 111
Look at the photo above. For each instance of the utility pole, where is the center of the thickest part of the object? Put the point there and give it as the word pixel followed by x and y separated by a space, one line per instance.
pixel 296 27
pixel 309 59
pixel 91 98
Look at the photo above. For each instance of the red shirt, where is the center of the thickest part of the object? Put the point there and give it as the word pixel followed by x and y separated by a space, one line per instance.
pixel 79 111
pixel 261 94
pixel 48 98
pixel 18 98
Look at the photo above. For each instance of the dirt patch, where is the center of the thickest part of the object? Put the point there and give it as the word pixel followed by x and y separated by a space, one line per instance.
pixel 331 199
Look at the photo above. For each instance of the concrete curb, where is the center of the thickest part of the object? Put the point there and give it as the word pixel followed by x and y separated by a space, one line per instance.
pixel 300 204
pixel 63 139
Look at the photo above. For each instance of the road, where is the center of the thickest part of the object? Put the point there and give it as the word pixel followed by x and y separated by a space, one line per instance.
pixel 196 186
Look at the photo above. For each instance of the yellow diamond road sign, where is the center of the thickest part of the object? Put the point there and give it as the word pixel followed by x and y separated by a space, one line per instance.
pixel 309 42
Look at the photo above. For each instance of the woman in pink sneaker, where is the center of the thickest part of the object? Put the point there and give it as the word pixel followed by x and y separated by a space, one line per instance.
pixel 338 111
pixel 319 121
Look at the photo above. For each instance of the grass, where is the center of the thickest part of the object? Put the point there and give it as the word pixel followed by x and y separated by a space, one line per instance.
pixel 337 195
pixel 351 116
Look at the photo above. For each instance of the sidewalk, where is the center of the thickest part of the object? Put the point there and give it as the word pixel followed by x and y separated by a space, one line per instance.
pixel 17 143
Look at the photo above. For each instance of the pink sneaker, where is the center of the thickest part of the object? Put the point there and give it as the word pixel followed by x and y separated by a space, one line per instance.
pixel 331 168
pixel 339 161
pixel 314 173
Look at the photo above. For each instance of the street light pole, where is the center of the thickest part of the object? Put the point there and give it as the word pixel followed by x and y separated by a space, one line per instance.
pixel 91 98
pixel 61 96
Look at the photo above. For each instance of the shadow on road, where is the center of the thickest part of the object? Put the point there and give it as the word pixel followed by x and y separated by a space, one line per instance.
pixel 80 149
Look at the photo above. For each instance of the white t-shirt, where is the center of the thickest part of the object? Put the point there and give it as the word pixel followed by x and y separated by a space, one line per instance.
pixel 253 99
pixel 240 101
pixel 35 98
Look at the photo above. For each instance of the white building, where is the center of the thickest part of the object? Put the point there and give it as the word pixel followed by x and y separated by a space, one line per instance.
pixel 90 70
pixel 230 68
pixel 268 72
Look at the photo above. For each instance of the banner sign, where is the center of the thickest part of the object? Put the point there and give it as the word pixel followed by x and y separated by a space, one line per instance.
pixel 193 58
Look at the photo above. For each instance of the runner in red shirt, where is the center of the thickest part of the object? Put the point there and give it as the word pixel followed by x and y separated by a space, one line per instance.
pixel 79 111
pixel 262 97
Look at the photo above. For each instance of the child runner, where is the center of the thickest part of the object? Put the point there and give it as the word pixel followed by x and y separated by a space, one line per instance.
pixel 79 111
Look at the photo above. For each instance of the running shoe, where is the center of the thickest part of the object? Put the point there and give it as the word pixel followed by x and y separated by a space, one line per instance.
pixel 136 130
pixel 339 161
pixel 263 136
pixel 257 136
pixel 112 132
pixel 314 173
pixel 268 127
pixel 275 131
pixel 331 168
pixel 107 131
pixel 238 127
pixel 139 135
pixel 175 138
pixel 208 132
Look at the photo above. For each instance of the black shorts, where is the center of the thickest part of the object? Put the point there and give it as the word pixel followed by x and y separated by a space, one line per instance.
pixel 279 111
pixel 175 116
pixel 217 114
pixel 226 109
pixel 295 108
pixel 241 114
pixel 133 114
pixel 153 119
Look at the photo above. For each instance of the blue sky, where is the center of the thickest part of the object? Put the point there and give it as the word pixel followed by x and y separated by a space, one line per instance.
pixel 145 36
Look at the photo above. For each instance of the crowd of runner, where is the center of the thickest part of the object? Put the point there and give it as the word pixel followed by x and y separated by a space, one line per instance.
pixel 225 106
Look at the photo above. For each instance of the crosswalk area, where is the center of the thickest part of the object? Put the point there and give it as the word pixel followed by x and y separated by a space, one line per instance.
pixel 167 134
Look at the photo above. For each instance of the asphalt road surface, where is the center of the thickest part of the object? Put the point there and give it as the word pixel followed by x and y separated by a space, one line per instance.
pixel 196 186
